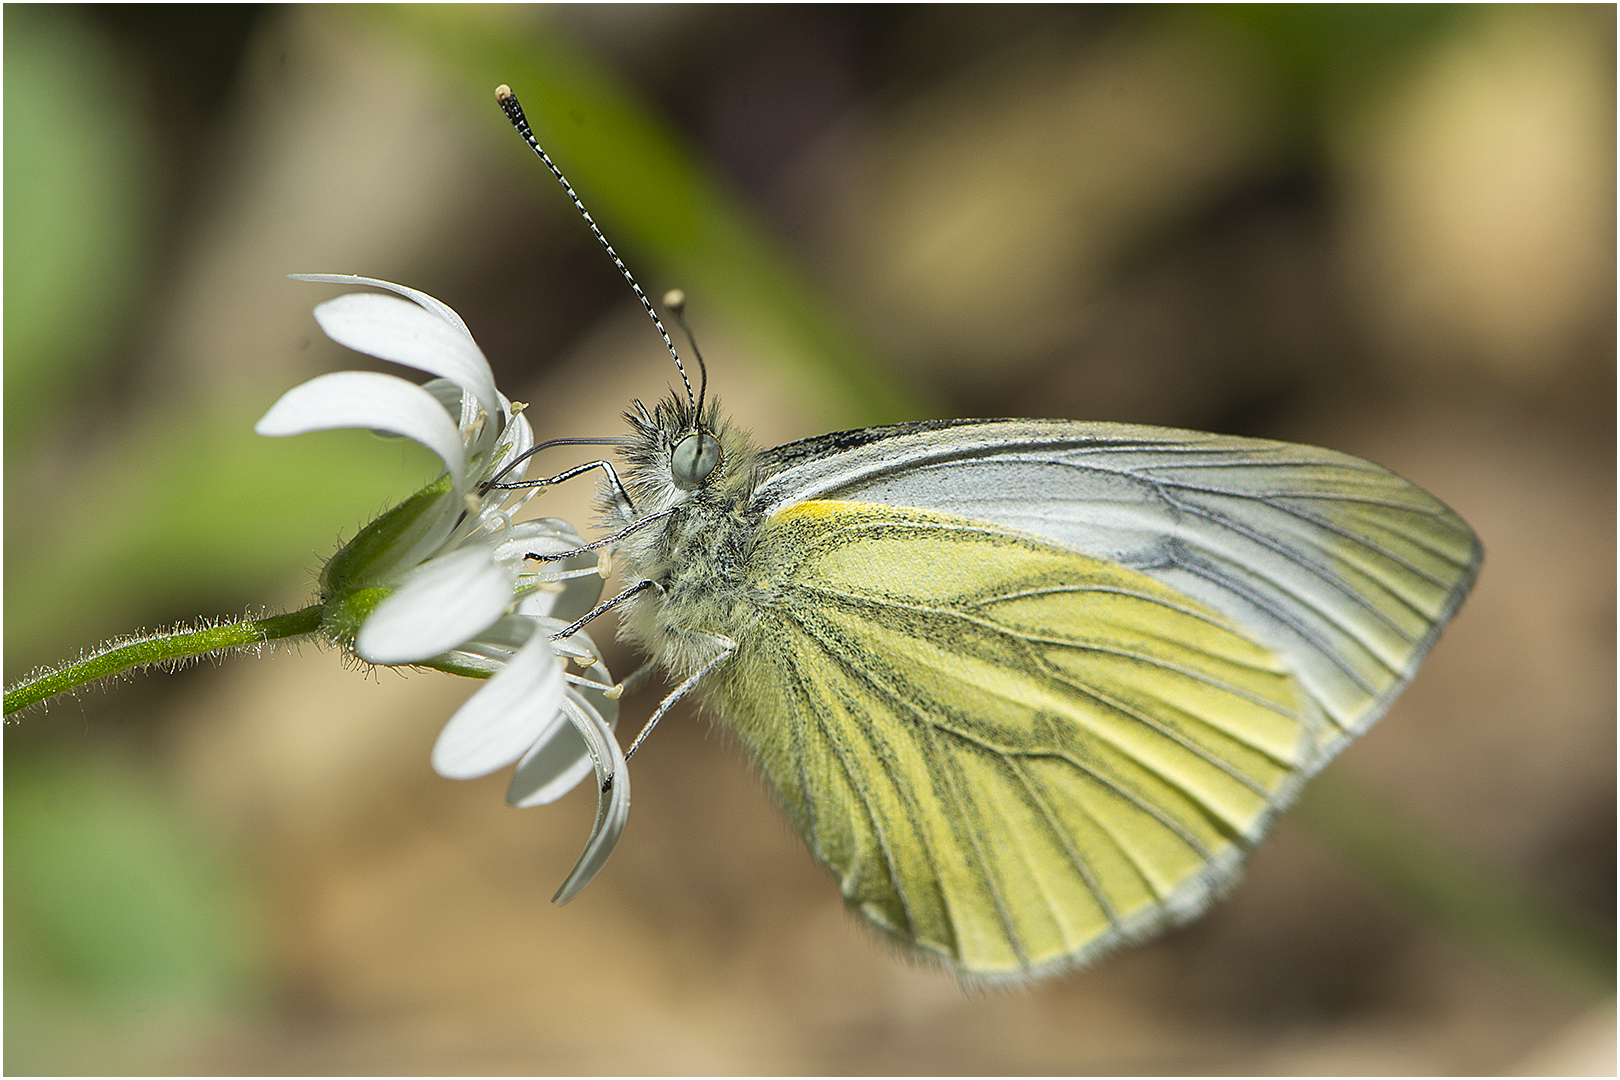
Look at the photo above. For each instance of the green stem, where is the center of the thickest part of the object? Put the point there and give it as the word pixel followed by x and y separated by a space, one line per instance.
pixel 174 645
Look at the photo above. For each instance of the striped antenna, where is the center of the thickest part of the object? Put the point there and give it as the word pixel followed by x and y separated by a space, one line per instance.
pixel 514 113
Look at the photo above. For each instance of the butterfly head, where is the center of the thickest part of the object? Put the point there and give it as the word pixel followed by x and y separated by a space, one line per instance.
pixel 676 454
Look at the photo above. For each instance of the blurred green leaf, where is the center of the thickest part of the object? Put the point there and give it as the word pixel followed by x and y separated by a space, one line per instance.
pixel 113 893
pixel 78 208
pixel 658 202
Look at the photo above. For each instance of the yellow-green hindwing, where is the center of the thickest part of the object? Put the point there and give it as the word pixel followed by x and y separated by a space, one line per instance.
pixel 1012 755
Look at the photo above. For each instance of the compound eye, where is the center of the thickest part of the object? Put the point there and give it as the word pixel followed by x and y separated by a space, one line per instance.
pixel 694 459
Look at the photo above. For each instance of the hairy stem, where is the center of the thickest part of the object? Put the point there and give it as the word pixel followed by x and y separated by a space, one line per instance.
pixel 165 647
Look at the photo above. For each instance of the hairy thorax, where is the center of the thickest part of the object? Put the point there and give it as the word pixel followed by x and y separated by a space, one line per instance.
pixel 696 559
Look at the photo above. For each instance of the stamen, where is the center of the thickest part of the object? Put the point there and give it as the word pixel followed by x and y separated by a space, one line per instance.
pixel 591 684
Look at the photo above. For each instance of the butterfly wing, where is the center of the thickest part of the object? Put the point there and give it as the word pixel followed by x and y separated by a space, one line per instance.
pixel 1012 755
pixel 1338 564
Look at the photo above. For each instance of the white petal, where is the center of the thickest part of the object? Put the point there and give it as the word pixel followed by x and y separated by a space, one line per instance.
pixel 393 329
pixel 612 804
pixel 369 399
pixel 554 766
pixel 438 307
pixel 440 605
pixel 540 535
pixel 505 717
pixel 570 597
pixel 448 394
pixel 505 637
pixel 515 439
pixel 560 759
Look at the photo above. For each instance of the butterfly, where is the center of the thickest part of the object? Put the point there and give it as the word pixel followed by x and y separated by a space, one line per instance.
pixel 1029 689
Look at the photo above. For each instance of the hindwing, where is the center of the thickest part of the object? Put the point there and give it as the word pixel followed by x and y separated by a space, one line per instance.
pixel 1011 754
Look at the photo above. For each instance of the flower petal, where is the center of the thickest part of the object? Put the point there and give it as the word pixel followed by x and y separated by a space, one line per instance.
pixel 612 804
pixel 397 330
pixel 561 759
pixel 439 605
pixel 438 307
pixel 566 598
pixel 507 715
pixel 554 766
pixel 369 399
pixel 542 535
pixel 449 395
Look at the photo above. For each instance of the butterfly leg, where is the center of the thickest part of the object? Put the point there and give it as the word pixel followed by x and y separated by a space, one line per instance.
pixel 622 495
pixel 600 609
pixel 606 541
pixel 517 463
pixel 727 647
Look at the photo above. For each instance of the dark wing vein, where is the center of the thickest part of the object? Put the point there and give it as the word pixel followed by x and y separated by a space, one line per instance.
pixel 950 783
pixel 836 742
pixel 882 752
pixel 1323 574
pixel 1238 588
pixel 1054 590
pixel 1038 797
pixel 1379 549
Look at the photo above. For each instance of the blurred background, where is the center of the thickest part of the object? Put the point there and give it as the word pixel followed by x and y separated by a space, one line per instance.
pixel 1388 230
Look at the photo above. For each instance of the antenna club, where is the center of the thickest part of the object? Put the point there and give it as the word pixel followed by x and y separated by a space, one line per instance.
pixel 503 93
pixel 675 300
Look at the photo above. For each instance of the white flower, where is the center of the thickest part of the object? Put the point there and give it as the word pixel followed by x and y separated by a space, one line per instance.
pixel 441 580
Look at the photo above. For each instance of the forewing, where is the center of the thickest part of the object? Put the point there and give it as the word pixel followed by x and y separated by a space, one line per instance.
pixel 1345 568
pixel 1012 755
